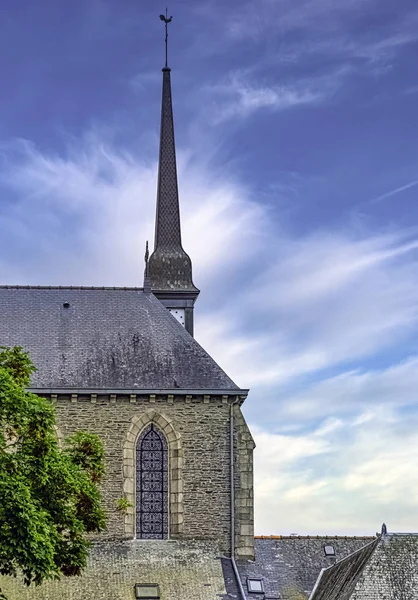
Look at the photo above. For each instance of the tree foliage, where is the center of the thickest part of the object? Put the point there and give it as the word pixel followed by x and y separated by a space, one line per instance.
pixel 49 499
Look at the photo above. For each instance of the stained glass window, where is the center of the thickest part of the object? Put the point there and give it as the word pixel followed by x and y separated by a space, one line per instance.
pixel 152 485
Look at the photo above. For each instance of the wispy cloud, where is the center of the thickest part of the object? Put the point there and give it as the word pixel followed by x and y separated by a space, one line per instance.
pixel 243 94
pixel 269 18
pixel 355 391
pixel 394 192
pixel 341 299
pixel 322 37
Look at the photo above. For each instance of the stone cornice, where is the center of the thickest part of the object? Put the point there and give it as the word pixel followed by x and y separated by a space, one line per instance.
pixel 139 392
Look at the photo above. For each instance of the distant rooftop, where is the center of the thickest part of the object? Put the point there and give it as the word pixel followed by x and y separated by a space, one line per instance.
pixel 384 568
pixel 289 565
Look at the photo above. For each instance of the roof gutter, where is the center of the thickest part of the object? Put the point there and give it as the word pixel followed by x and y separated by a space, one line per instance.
pixel 232 495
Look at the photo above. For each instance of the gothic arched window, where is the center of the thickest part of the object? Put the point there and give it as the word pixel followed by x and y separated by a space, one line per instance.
pixel 152 485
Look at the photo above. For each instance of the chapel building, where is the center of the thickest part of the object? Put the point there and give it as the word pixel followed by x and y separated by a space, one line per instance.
pixel 123 363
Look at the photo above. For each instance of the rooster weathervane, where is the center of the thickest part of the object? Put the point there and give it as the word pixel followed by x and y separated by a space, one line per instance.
pixel 166 20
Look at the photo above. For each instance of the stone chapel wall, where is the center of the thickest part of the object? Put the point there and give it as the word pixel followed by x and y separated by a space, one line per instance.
pixel 244 488
pixel 197 430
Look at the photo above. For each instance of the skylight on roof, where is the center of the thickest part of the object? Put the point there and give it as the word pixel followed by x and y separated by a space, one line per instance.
pixel 147 591
pixel 255 585
pixel 329 550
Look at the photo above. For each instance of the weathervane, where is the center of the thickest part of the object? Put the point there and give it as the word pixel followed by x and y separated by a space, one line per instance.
pixel 166 20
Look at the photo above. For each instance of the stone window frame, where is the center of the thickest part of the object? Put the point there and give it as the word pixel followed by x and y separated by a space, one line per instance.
pixel 154 433
pixel 175 470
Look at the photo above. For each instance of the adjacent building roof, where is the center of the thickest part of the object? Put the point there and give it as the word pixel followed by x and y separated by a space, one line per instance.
pixel 105 338
pixel 386 568
pixel 192 569
pixel 289 566
pixel 339 581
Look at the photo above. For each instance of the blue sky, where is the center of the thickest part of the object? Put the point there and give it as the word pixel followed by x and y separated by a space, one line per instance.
pixel 296 128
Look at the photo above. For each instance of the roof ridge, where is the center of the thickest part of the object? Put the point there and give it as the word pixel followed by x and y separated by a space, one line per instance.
pixel 69 287
pixel 315 537
pixel 400 533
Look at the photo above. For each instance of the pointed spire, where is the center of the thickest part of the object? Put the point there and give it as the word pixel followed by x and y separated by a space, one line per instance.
pixel 169 267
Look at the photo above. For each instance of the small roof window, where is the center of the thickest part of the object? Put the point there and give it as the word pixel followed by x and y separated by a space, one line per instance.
pixel 329 550
pixel 147 591
pixel 255 585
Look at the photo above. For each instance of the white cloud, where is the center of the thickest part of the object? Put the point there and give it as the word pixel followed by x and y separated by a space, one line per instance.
pixel 360 390
pixel 321 301
pixel 343 480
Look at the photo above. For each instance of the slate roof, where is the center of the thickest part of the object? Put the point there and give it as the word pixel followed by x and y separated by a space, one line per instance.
pixel 384 569
pixel 191 570
pixel 183 570
pixel 289 566
pixel 338 582
pixel 106 338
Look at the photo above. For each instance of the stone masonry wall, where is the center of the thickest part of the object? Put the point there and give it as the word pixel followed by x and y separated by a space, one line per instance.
pixel 197 429
pixel 244 488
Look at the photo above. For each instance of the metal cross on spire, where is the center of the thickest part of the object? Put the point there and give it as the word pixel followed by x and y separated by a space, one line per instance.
pixel 166 20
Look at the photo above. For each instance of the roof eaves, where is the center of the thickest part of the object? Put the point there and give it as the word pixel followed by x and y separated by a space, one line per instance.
pixel 243 393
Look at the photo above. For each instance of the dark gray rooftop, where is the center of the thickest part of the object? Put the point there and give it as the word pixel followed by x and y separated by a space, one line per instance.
pixel 106 338
pixel 191 569
pixel 385 569
pixel 338 582
pixel 290 566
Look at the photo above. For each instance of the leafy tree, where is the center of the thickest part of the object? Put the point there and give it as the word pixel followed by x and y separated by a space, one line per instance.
pixel 49 499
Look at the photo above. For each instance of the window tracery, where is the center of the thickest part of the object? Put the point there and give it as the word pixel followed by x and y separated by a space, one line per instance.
pixel 152 484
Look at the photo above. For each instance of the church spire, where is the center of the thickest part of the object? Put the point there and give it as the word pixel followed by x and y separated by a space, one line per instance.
pixel 169 267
